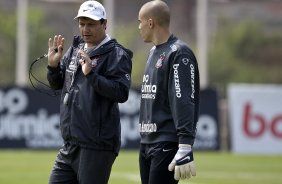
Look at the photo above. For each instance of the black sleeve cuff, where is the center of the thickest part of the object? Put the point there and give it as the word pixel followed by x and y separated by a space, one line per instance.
pixel 53 70
pixel 186 140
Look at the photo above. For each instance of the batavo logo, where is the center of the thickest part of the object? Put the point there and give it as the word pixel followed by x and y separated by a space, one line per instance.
pixel 255 124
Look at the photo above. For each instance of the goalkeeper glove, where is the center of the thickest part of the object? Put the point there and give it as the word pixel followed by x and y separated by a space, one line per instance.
pixel 183 163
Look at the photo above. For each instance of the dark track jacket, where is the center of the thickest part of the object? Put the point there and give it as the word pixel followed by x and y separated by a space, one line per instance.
pixel 170 94
pixel 91 118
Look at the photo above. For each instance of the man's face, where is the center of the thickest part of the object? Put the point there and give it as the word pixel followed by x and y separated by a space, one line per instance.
pixel 144 27
pixel 92 31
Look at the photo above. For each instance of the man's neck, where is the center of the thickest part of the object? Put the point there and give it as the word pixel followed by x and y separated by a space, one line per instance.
pixel 161 37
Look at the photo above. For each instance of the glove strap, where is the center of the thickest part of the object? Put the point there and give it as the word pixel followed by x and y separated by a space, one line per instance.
pixel 185 159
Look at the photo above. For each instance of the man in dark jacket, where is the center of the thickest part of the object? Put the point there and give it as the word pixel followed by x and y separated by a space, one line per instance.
pixel 94 75
pixel 169 101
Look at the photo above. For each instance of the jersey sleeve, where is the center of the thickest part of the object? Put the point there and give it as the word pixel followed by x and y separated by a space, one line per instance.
pixel 182 91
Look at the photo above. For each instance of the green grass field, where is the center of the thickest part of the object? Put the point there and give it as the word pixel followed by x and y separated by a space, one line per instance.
pixel 33 167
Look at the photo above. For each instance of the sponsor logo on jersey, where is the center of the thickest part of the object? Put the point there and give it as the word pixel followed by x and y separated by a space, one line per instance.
pixel 185 61
pixel 192 72
pixel 127 76
pixel 148 90
pixel 176 81
pixel 147 127
pixel 73 65
pixel 160 60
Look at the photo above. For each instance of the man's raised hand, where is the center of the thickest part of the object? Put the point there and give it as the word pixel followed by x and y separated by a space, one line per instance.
pixel 55 51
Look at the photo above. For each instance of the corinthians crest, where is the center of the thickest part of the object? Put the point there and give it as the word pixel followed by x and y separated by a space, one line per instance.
pixel 160 60
pixel 94 62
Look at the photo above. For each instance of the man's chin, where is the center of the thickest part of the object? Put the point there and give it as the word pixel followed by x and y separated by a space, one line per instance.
pixel 86 38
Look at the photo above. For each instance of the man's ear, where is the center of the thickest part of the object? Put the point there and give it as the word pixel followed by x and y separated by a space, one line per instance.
pixel 151 23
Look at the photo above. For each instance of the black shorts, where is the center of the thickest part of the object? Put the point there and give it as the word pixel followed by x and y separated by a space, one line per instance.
pixel 76 165
pixel 154 160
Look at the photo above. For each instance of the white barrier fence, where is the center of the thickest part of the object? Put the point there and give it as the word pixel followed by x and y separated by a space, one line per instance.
pixel 255 116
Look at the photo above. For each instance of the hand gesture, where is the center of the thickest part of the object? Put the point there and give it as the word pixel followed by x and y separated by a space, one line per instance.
pixel 55 51
pixel 85 62
pixel 183 163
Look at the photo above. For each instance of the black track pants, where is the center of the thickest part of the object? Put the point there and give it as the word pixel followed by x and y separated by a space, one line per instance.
pixel 75 165
pixel 154 160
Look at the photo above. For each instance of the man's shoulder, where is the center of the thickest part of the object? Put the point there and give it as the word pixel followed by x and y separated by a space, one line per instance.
pixel 121 49
pixel 177 43
pixel 181 46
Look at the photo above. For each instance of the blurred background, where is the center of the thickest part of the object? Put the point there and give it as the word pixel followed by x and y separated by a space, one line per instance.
pixel 238 44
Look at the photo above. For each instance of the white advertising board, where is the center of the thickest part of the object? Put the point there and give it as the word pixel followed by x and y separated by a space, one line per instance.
pixel 255 115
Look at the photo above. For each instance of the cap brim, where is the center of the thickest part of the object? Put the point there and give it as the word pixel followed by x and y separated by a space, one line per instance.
pixel 88 16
